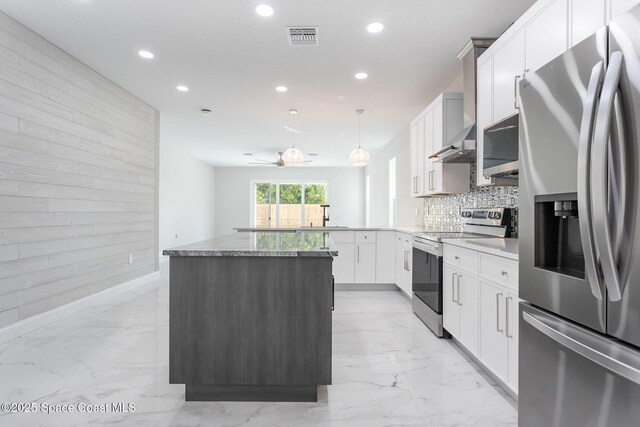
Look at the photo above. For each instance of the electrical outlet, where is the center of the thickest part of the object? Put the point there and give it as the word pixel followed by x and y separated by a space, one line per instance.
pixel 130 258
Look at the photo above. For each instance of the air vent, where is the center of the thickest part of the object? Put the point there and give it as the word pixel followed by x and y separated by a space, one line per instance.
pixel 303 36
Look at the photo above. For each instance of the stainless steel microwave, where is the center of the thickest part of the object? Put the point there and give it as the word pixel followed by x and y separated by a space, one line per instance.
pixel 500 151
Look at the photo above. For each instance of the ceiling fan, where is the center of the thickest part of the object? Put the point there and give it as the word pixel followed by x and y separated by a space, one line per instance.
pixel 279 163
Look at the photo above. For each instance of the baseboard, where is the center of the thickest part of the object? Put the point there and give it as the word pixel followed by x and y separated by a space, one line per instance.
pixel 483 370
pixel 366 287
pixel 38 321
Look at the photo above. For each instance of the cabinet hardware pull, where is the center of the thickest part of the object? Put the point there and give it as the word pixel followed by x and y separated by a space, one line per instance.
pixel 515 92
pixel 504 273
pixel 358 254
pixel 506 316
pixel 498 312
pixel 453 290
pixel 459 276
pixel 457 258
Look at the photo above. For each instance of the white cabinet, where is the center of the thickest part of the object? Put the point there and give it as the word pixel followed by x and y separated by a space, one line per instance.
pixel 365 257
pixel 460 296
pixel 547 35
pixel 344 263
pixel 484 112
pixel 508 67
pixel 499 317
pixel 386 257
pixel 417 156
pixel 404 254
pixel 430 132
pixel 619 7
pixel 587 16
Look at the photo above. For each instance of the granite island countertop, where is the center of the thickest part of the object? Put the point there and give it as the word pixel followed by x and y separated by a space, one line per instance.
pixel 272 243
pixel 410 229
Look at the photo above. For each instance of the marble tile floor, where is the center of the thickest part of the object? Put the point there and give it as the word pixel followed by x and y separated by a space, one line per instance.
pixel 388 370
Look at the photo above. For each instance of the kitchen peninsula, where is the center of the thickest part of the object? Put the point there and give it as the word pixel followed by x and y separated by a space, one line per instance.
pixel 250 316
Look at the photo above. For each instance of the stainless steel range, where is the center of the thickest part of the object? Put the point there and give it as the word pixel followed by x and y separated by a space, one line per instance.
pixel 427 260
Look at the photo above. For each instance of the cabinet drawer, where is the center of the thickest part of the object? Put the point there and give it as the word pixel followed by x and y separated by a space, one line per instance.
pixel 461 258
pixel 404 238
pixel 365 236
pixel 499 270
pixel 342 236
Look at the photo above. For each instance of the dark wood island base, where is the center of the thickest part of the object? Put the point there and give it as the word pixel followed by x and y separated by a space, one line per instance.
pixel 249 393
pixel 250 326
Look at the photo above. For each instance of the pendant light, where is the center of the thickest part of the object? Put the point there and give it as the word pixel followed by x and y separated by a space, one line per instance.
pixel 359 156
pixel 292 156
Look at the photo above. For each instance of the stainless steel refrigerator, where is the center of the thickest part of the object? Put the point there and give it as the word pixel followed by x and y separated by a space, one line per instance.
pixel 580 234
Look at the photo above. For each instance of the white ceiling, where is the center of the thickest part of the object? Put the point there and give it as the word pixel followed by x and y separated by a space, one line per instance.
pixel 232 59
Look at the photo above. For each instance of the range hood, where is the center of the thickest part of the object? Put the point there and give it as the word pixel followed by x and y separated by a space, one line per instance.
pixel 461 148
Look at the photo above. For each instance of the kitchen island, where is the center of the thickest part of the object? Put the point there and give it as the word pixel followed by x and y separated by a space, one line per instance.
pixel 250 316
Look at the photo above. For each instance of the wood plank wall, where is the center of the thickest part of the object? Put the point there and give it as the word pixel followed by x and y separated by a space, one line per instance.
pixel 78 178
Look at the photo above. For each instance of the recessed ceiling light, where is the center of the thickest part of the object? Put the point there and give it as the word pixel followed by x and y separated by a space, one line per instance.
pixel 182 88
pixel 247 154
pixel 146 54
pixel 293 111
pixel 313 154
pixel 361 76
pixel 281 89
pixel 375 27
pixel 264 10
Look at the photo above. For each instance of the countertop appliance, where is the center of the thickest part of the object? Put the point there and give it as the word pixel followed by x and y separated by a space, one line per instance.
pixel 580 234
pixel 427 260
pixel 500 154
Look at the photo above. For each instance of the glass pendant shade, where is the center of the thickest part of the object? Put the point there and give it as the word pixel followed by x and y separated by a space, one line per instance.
pixel 359 157
pixel 293 156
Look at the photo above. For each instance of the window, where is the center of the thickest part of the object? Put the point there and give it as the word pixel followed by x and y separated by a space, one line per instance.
pixel 288 204
pixel 392 192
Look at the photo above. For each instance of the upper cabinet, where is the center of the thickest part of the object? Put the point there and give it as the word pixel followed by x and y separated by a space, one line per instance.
pixel 547 35
pixel 587 16
pixel 430 132
pixel 508 67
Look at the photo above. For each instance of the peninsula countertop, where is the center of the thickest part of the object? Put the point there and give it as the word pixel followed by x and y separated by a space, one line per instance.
pixel 273 243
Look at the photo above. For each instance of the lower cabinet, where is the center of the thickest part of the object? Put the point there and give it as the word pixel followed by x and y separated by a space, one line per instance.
pixel 499 331
pixel 365 265
pixel 386 257
pixel 404 259
pixel 460 305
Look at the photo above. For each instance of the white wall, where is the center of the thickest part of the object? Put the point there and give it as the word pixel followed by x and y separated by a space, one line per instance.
pixel 187 197
pixel 233 193
pixel 378 170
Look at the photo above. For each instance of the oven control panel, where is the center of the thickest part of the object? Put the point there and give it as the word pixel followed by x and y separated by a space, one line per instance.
pixel 486 216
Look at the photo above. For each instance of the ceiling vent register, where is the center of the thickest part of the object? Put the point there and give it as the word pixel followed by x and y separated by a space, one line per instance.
pixel 302 36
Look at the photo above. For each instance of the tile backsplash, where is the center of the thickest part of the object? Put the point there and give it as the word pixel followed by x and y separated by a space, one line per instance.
pixel 442 213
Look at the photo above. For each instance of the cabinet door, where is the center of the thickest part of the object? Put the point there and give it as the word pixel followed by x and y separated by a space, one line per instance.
pixel 587 16
pixel 450 308
pixel 467 292
pixel 484 112
pixel 618 7
pixel 508 64
pixel 546 35
pixel 420 154
pixel 343 264
pixel 414 159
pixel 438 143
pixel 428 149
pixel 399 261
pixel 406 281
pixel 365 266
pixel 385 257
pixel 493 343
pixel 512 303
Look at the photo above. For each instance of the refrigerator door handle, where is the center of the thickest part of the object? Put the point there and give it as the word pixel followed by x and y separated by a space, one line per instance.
pixel 584 172
pixel 611 356
pixel 600 177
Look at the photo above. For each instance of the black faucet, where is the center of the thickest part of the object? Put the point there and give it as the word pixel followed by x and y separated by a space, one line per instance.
pixel 325 215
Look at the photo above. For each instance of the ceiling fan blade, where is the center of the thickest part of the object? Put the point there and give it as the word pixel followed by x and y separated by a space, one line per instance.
pixel 261 163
